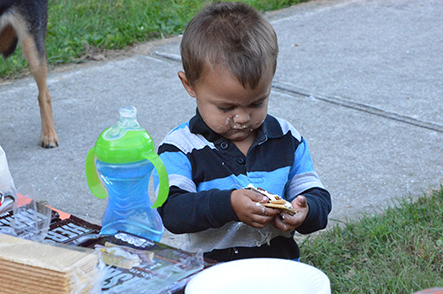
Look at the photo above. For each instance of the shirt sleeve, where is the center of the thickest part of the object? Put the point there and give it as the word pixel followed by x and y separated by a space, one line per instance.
pixel 187 210
pixel 302 176
pixel 303 180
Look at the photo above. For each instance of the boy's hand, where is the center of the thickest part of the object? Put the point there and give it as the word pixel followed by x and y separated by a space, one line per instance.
pixel 246 206
pixel 286 222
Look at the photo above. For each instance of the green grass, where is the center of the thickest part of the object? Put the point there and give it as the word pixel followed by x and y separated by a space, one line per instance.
pixel 76 27
pixel 399 251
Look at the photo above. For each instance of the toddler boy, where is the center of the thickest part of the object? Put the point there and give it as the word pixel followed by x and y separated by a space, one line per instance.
pixel 229 54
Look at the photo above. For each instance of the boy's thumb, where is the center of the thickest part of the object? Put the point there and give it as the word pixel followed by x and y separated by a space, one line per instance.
pixel 301 201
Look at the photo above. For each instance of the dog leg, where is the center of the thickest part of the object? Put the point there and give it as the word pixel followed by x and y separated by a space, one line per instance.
pixel 39 69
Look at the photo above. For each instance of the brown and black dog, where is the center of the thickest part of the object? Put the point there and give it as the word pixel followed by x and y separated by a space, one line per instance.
pixel 25 22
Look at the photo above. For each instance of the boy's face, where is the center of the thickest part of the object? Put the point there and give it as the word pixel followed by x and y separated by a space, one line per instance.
pixel 226 106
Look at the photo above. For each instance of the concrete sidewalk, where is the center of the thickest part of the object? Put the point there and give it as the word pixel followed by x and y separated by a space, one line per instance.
pixel 362 81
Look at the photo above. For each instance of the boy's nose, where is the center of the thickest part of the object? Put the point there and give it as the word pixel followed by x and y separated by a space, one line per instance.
pixel 241 117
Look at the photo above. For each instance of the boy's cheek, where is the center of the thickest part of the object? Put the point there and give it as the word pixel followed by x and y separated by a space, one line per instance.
pixel 219 124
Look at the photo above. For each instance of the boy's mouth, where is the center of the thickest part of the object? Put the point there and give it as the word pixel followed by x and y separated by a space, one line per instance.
pixel 241 127
pixel 242 130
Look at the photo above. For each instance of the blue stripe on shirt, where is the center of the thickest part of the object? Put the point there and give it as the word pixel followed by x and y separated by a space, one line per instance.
pixel 302 160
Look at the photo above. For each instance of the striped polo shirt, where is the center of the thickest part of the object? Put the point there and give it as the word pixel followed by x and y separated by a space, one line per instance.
pixel 204 168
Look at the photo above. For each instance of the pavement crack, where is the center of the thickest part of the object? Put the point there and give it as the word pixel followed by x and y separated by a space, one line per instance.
pixel 358 106
pixel 169 56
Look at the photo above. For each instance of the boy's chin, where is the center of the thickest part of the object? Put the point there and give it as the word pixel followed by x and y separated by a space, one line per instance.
pixel 238 135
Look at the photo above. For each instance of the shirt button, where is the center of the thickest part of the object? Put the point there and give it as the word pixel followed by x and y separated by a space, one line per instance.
pixel 224 145
pixel 240 161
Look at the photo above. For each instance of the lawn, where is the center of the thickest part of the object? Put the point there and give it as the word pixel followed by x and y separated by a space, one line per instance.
pixel 76 27
pixel 399 251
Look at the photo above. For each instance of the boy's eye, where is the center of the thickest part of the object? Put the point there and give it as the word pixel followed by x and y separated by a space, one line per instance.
pixel 226 109
pixel 258 104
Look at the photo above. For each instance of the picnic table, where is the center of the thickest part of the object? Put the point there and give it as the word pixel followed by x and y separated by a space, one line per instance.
pixel 146 264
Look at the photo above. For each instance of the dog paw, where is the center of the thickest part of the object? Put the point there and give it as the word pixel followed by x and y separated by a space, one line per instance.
pixel 49 142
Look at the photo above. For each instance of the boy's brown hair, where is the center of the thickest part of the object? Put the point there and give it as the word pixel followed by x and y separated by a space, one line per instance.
pixel 231 34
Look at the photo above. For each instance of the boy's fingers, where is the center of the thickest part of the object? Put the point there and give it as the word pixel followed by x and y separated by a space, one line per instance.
pixel 280 223
pixel 256 197
pixel 261 207
pixel 264 211
pixel 261 221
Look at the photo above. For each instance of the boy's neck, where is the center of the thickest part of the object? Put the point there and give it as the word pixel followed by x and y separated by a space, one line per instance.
pixel 245 144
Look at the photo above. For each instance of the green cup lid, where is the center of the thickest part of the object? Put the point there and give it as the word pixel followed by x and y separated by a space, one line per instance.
pixel 125 142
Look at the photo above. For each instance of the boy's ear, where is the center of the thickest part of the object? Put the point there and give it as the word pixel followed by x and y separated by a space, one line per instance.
pixel 188 87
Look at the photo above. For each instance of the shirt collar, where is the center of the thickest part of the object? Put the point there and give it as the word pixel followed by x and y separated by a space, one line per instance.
pixel 269 129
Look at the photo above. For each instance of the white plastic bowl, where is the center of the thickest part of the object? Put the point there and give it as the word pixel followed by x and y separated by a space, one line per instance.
pixel 260 275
